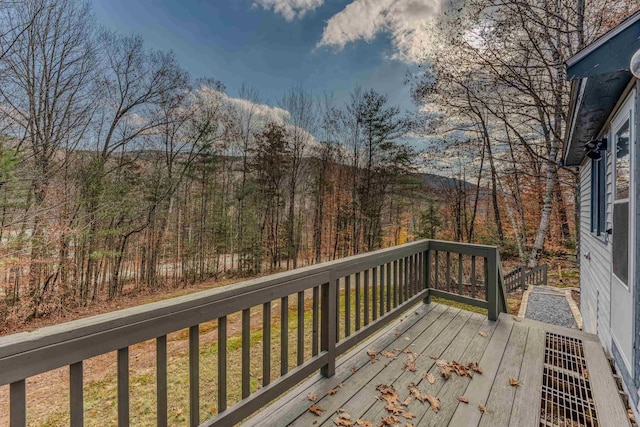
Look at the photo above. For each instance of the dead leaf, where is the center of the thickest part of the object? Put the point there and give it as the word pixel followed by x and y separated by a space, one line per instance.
pixel 632 418
pixel 344 420
pixel 409 425
pixel 433 357
pixel 340 410
pixel 406 351
pixel 179 411
pixel 407 401
pixel 415 392
pixel 364 423
pixel 463 399
pixel 316 409
pixel 409 415
pixel 340 385
pixel 514 382
pixel 390 420
pixel 474 367
pixel 483 334
pixel 585 373
pixel 434 402
pixel 445 372
pixel 410 364
pixel 431 378
pixel 482 408
pixel 353 369
pixel 312 397
pixel 332 391
pixel 441 363
pixel 373 356
pixel 389 354
pixel 394 408
pixel 212 409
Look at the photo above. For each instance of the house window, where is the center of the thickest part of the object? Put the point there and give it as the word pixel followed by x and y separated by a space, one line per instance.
pixel 599 194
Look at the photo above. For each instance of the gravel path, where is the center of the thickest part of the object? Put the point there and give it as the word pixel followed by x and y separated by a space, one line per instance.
pixel 550 306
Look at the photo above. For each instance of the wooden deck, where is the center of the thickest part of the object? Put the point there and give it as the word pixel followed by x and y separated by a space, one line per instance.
pixel 512 348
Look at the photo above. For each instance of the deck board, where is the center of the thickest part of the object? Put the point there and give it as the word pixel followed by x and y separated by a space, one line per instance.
pixel 513 348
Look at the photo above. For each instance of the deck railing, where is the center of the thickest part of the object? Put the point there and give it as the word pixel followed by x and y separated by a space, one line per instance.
pixel 334 306
pixel 520 278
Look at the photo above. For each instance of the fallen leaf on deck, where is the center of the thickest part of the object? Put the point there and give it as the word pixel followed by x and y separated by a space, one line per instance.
pixel 407 401
pixel 514 382
pixel 406 351
pixel 474 367
pixel 434 402
pixel 409 425
pixel 390 420
pixel 364 423
pixel 340 385
pixel 416 393
pixel 373 356
pixel 410 364
pixel 332 391
pixel 433 357
pixel 389 354
pixel 344 420
pixel 632 419
pixel 313 397
pixel 441 363
pixel 394 408
pixel 316 409
pixel 340 410
pixel 389 393
pixel 409 415
pixel 463 399
pixel 430 378
pixel 445 372
pixel 482 408
pixel 353 369
pixel 483 334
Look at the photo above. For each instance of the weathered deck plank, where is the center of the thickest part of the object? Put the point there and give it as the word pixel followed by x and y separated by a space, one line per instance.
pixel 478 390
pixel 526 405
pixel 500 401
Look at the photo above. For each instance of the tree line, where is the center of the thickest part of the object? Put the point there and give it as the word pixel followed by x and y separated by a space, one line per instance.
pixel 120 171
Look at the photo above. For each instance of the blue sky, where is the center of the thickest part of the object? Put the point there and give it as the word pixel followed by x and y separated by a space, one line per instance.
pixel 253 41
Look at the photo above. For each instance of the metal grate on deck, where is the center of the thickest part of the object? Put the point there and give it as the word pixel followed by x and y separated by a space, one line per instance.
pixel 567 400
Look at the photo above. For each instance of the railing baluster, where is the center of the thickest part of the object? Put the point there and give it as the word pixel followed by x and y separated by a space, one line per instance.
pixel 396 278
pixel 266 343
pixel 347 306
pixel 473 276
pixel 123 387
pixel 337 293
pixel 222 363
pixel 427 274
pixel 76 395
pixel 374 297
pixel 405 294
pixel 436 278
pixel 328 338
pixel 366 297
pixel 382 283
pixel 400 281
pixel 358 302
pixel 194 375
pixel 284 335
pixel 460 274
pixel 161 381
pixel 448 271
pixel 246 352
pixel 300 352
pixel 18 404
pixel 388 286
pixel 316 321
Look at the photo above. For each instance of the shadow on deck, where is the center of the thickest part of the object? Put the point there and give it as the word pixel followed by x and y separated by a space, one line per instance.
pixel 563 377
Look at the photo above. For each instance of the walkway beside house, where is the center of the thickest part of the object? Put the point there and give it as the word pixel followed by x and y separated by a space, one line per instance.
pixel 551 305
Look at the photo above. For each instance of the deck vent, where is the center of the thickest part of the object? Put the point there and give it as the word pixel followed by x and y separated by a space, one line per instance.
pixel 567 399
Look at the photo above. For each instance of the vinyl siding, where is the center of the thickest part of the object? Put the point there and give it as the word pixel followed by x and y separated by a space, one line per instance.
pixel 595 261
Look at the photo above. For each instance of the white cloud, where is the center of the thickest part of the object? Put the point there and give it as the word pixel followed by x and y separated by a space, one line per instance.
pixel 261 112
pixel 289 9
pixel 407 21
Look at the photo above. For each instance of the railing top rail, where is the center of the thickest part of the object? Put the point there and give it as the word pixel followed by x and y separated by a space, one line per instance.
pixel 463 248
pixel 54 346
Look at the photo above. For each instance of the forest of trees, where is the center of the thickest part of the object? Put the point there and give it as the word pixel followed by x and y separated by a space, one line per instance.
pixel 120 172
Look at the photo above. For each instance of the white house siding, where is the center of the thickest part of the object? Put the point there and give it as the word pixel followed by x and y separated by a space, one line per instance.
pixel 595 262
